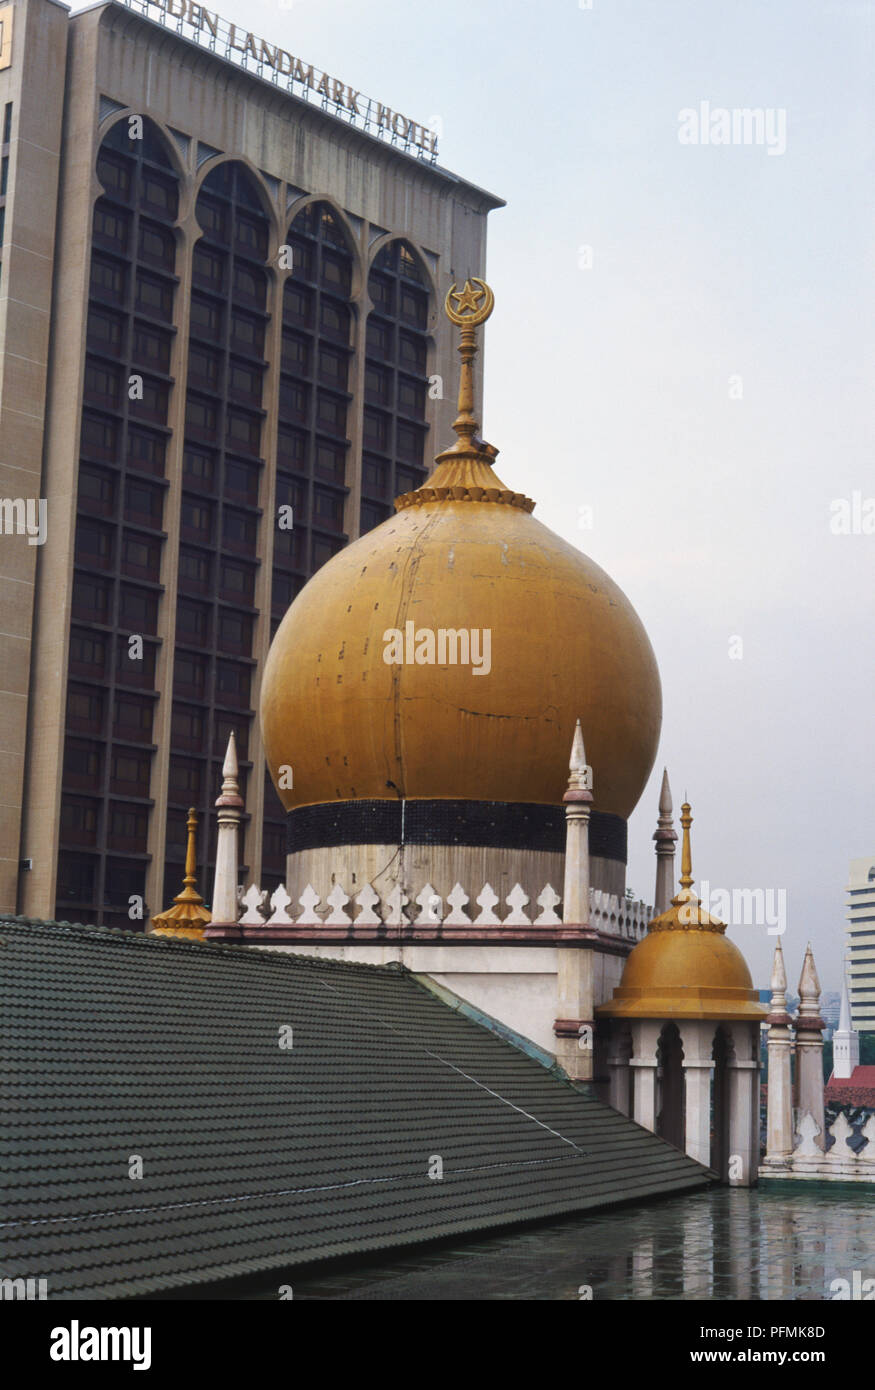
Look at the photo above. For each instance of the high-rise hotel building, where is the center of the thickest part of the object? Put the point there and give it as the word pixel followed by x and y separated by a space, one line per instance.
pixel 861 944
pixel 220 360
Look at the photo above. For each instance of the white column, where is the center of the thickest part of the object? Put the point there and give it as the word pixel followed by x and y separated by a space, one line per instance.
pixel 645 1037
pixel 574 1001
pixel 809 1047
pixel 578 800
pixel 779 1126
pixel 743 1079
pixel 665 837
pixel 644 1070
pixel 697 1036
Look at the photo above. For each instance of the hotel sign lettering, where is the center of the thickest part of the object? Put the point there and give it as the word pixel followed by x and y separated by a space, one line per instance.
pixel 276 65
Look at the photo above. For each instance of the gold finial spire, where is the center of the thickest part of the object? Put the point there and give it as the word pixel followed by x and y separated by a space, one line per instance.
pixel 686 855
pixel 464 471
pixel 468 314
pixel 188 916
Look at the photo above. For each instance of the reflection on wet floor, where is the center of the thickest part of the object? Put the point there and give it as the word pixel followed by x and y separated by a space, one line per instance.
pixel 787 1241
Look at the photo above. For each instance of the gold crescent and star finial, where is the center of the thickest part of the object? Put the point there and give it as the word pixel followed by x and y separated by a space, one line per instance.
pixel 464 470
pixel 468 313
pixel 468 299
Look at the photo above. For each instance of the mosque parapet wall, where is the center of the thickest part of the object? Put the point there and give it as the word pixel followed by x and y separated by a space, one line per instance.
pixel 368 915
pixel 850 1156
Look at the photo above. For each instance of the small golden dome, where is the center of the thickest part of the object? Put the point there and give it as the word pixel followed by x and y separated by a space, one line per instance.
pixel 462 553
pixel 685 967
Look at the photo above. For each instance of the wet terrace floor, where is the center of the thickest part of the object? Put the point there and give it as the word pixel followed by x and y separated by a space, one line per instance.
pixel 786 1241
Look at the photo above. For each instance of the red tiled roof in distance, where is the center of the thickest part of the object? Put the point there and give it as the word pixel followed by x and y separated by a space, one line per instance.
pixel 856 1089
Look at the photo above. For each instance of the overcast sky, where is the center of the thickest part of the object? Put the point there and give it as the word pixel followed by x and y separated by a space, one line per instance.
pixel 709 262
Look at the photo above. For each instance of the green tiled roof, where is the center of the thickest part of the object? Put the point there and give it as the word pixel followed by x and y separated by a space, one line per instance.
pixel 257 1157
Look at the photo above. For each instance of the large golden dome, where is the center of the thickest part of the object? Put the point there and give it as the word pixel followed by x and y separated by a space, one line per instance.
pixel 462 552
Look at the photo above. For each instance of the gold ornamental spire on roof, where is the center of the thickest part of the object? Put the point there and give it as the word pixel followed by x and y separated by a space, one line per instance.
pixel 188 916
pixel 686 912
pixel 464 471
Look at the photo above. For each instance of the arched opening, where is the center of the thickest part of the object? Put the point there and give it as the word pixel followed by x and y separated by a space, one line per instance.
pixel 126 391
pixel 396 381
pixel 222 461
pixel 670 1079
pixel 313 435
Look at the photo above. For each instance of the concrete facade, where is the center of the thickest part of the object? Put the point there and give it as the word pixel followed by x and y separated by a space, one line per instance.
pixel 860 936
pixel 32 135
pixel 98 69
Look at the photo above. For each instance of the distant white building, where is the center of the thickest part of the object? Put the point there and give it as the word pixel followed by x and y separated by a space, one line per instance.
pixel 861 943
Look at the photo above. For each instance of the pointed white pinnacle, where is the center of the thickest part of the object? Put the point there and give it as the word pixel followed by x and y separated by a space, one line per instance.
pixel 778 982
pixel 809 984
pixel 665 807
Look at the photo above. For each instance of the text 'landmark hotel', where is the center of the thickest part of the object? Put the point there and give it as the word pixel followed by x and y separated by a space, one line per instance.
pixel 219 286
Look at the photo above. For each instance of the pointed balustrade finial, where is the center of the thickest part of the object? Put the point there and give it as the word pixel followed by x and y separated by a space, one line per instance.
pixel 580 773
pixel 809 984
pixel 230 793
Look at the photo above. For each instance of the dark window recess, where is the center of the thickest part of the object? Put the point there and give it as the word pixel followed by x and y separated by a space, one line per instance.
pixel 192 622
pixel 112 228
pixel 102 384
pixel 200 466
pixel 239 531
pixel 395 379
pixel 154 297
pixel 146 451
pixel 187 727
pixel 141 556
pixel 189 674
pixel 232 684
pixel 77 877
pixel 99 438
pixel 144 503
pixel 241 480
pixel 135 661
pixel 127 828
pixel 138 611
pixel 204 368
pixel 79 818
pixel 206 319
pixel 97 491
pixel 186 779
pixel 92 599
pixel 195 570
pixel 235 633
pixel 328 510
pixel 94 544
pixel 197 519
pixel 129 773
pixel 236 582
pixel 108 280
pixel 244 432
pixel 105 331
pixel 152 348
pixel 157 246
pixel 82 764
pixel 124 880
pixel 247 335
pixel 132 719
pixel 375 477
pixel 84 709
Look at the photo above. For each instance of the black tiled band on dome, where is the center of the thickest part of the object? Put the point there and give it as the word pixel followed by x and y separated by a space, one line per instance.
pixel 475 824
